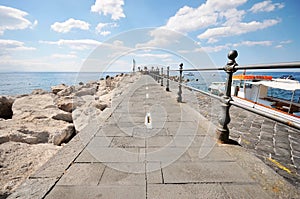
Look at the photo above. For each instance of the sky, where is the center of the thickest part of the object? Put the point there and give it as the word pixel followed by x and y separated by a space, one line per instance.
pixel 106 35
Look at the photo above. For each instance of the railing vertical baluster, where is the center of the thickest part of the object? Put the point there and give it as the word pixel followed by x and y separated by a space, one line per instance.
pixel 179 98
pixel 168 75
pixel 224 120
pixel 162 77
pixel 157 74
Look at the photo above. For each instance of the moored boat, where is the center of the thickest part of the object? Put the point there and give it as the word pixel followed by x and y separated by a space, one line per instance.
pixel 254 91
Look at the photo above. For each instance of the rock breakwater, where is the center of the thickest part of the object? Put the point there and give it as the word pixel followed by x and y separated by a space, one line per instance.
pixel 34 127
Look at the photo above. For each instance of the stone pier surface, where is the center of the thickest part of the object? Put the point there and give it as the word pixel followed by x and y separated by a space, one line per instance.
pixel 150 146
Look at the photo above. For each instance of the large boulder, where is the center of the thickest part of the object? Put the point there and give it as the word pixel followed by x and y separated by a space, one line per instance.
pixel 33 107
pixel 66 104
pixel 67 91
pixel 67 117
pixel 36 131
pixel 6 107
pixel 36 107
pixel 86 91
pixel 38 92
pixel 58 88
pixel 19 160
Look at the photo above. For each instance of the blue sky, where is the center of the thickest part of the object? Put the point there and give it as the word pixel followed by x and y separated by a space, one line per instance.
pixel 88 35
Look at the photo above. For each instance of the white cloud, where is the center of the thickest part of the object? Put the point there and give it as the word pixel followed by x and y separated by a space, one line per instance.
pixel 232 16
pixel 109 7
pixel 83 44
pixel 238 29
pixel 99 28
pixel 161 37
pixel 118 43
pixel 63 56
pixel 210 49
pixel 35 23
pixel 105 33
pixel 266 6
pixel 217 19
pixel 149 55
pixel 286 42
pixel 9 46
pixel 13 19
pixel 230 46
pixel 70 24
pixel 220 5
pixel 190 19
pixel 253 43
pixel 39 64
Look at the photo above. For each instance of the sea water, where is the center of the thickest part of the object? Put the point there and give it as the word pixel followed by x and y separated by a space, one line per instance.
pixel 17 83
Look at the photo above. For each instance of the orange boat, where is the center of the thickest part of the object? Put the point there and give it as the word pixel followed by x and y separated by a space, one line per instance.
pixel 251 77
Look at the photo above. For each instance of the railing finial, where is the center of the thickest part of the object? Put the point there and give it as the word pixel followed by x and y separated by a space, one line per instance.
pixel 232 55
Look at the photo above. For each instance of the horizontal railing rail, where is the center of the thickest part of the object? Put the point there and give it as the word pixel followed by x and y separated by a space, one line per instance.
pixel 226 100
pixel 286 65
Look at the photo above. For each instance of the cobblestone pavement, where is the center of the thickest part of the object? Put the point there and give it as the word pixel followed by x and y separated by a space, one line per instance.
pixel 276 144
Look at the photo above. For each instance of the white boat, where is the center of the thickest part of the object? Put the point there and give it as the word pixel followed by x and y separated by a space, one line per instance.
pixel 252 91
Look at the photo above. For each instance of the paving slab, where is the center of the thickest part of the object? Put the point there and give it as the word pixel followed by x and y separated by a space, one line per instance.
pixel 82 174
pixel 128 142
pixel 112 130
pixel 205 172
pixel 116 177
pixel 88 192
pixel 246 191
pixel 188 191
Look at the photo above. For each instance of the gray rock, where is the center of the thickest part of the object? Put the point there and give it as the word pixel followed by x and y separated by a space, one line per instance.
pixel 56 89
pixel 6 107
pixel 36 131
pixel 38 92
pixel 67 117
pixel 67 91
pixel 86 91
pixel 66 104
pixel 63 135
pixel 101 106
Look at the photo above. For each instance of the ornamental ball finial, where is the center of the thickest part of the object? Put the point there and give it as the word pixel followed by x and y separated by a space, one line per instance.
pixel 232 55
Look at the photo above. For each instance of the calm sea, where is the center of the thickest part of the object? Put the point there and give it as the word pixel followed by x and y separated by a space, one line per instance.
pixel 25 82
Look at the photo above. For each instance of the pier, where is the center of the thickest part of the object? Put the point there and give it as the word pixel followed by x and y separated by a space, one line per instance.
pixel 147 145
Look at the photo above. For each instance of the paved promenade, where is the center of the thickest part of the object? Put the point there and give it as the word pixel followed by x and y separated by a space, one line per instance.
pixel 149 146
pixel 276 144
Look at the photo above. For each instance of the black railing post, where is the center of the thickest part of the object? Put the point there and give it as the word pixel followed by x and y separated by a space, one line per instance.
pixel 168 75
pixel 157 74
pixel 224 120
pixel 179 98
pixel 162 77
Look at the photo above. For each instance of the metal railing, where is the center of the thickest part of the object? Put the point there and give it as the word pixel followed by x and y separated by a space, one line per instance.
pixel 226 101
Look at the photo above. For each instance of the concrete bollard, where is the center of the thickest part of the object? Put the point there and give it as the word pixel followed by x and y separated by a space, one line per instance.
pixel 224 120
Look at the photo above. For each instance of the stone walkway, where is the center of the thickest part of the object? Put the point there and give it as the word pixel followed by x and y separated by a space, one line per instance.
pixel 150 146
pixel 276 144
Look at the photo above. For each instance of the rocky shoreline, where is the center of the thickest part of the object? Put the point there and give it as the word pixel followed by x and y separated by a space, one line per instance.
pixel 33 127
